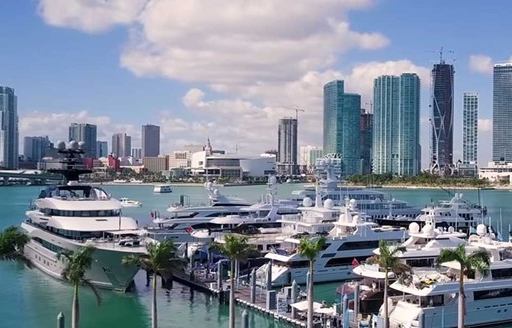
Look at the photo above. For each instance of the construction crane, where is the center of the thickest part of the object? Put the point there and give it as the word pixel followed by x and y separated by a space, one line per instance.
pixel 297 109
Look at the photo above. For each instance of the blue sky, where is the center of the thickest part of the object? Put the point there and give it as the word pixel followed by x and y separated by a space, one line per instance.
pixel 124 63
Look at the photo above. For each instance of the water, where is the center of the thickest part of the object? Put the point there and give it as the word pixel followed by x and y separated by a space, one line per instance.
pixel 29 298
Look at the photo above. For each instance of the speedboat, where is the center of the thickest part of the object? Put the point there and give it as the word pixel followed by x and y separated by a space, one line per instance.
pixel 73 215
pixel 125 202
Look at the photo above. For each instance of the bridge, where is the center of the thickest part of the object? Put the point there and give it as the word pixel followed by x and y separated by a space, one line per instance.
pixel 27 176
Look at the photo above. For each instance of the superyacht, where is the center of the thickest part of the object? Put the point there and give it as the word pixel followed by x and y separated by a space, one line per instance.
pixel 67 217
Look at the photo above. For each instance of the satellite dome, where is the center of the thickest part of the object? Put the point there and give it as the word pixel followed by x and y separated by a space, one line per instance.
pixel 307 202
pixel 414 227
pixel 73 144
pixel 427 228
pixel 352 204
pixel 481 229
pixel 355 219
pixel 451 229
pixel 81 145
pixel 61 145
pixel 328 204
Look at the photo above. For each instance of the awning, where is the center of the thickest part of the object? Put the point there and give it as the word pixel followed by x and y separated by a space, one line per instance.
pixel 303 306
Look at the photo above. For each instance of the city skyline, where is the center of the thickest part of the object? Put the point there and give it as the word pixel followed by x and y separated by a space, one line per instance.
pixel 82 51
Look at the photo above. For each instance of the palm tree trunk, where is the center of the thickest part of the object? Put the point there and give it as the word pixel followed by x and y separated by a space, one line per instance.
pixel 462 307
pixel 232 296
pixel 386 313
pixel 154 315
pixel 310 296
pixel 75 311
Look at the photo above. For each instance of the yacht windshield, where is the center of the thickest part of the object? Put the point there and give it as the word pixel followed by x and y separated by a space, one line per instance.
pixel 75 193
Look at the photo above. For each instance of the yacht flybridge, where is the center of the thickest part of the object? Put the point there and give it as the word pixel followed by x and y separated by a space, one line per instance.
pixel 67 217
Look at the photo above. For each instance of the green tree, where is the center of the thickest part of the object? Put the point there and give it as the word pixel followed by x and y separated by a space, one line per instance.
pixel 12 242
pixel 309 248
pixel 159 259
pixel 77 264
pixel 237 249
pixel 478 260
pixel 389 262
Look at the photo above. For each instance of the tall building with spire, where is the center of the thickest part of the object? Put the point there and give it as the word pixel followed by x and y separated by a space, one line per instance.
pixel 441 158
pixel 8 128
pixel 342 120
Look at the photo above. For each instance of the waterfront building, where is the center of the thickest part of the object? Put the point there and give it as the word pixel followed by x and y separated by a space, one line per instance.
pixel 341 133
pixel 87 133
pixel 502 113
pixel 217 164
pixel 137 153
pixel 470 128
pixel 366 140
pixel 497 171
pixel 121 145
pixel 150 140
pixel 442 118
pixel 179 159
pixel 396 102
pixel 287 146
pixel 101 149
pixel 35 148
pixel 8 128
pixel 156 163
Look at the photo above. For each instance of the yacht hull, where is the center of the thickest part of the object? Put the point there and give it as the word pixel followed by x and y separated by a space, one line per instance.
pixel 285 276
pixel 107 269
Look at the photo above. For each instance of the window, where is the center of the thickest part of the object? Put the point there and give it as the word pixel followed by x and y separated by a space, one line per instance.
pixel 328 255
pixel 299 264
pixel 352 245
pixel 493 293
pixel 502 273
pixel 427 262
pixel 344 261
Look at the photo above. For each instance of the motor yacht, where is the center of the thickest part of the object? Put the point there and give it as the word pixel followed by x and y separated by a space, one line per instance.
pixel 162 189
pixel 125 202
pixel 73 215
pixel 350 237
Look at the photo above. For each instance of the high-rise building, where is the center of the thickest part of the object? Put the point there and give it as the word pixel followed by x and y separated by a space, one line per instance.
pixel 86 133
pixel 308 155
pixel 8 128
pixel 121 145
pixel 342 125
pixel 502 113
pixel 287 146
pixel 35 148
pixel 101 149
pixel 150 140
pixel 137 153
pixel 442 118
pixel 396 102
pixel 409 151
pixel 470 128
pixel 366 140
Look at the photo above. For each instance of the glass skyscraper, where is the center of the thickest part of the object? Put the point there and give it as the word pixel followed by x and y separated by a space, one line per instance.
pixel 396 102
pixel 35 148
pixel 442 117
pixel 86 133
pixel 502 113
pixel 366 141
pixel 8 129
pixel 121 145
pixel 101 149
pixel 287 146
pixel 470 128
pixel 150 140
pixel 342 125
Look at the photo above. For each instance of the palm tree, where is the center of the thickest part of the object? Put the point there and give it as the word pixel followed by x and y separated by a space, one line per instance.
pixel 78 262
pixel 389 262
pixel 469 263
pixel 236 248
pixel 160 259
pixel 310 248
pixel 12 241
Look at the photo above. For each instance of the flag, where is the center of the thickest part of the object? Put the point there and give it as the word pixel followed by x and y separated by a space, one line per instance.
pixel 189 229
pixel 355 263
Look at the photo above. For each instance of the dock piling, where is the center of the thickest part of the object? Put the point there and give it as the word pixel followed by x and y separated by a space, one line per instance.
pixel 253 286
pixel 245 319
pixel 60 320
pixel 269 275
pixel 271 300
pixel 356 303
pixel 294 297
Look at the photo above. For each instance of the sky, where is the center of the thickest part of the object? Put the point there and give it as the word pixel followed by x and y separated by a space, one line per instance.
pixel 229 69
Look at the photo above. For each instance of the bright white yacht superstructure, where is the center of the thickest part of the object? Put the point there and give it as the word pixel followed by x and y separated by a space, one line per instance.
pixel 349 238
pixel 67 217
pixel 430 298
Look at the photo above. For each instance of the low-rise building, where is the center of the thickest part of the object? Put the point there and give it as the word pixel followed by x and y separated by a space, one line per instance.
pixel 231 166
pixel 496 172
pixel 180 159
pixel 156 164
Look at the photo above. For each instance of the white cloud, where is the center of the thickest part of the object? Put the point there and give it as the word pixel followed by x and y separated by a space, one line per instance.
pixel 228 44
pixel 481 64
pixel 484 125
pixel 91 16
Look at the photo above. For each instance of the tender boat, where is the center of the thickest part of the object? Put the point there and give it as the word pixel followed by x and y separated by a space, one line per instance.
pixel 125 202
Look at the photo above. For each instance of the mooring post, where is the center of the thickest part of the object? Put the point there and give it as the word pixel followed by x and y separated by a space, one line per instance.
pixel 253 286
pixel 294 297
pixel 60 320
pixel 245 319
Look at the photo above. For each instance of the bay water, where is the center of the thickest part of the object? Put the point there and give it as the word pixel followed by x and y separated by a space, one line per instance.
pixel 31 299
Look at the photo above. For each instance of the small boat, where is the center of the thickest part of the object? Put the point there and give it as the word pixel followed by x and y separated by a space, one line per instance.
pixel 162 189
pixel 125 202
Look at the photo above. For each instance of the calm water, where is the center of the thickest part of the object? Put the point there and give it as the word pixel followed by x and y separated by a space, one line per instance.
pixel 28 298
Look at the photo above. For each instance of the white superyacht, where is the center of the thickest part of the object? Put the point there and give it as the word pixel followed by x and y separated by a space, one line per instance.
pixel 67 217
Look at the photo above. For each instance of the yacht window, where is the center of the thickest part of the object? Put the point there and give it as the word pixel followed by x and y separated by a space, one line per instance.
pixel 299 264
pixel 328 255
pixel 493 293
pixel 430 301
pixel 351 245
pixel 344 261
pixel 505 273
pixel 428 262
